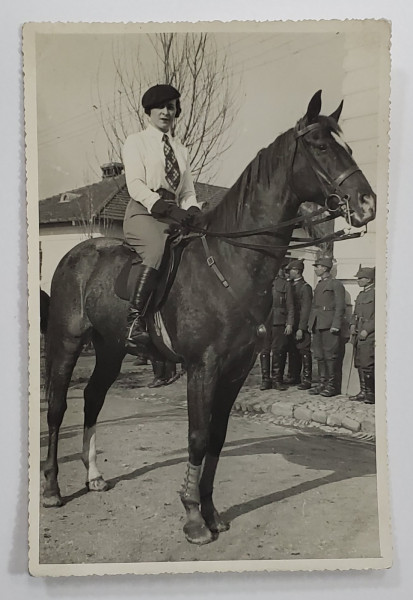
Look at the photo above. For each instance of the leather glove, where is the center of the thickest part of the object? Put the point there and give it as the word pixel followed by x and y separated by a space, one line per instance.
pixel 194 211
pixel 161 208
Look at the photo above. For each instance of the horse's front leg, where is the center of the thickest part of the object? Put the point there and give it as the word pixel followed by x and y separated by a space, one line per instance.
pixel 201 387
pixel 225 395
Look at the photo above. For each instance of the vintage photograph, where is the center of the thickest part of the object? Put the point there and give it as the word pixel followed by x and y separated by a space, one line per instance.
pixel 207 247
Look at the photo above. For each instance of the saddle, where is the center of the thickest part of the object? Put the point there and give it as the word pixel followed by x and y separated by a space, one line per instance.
pixel 126 281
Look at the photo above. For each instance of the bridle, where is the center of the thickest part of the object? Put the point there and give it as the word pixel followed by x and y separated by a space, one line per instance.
pixel 335 200
pixel 336 204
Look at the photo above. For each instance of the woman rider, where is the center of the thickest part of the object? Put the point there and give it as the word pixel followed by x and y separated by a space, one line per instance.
pixel 160 185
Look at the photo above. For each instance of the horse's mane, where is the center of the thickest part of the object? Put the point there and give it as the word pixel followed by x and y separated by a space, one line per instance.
pixel 259 173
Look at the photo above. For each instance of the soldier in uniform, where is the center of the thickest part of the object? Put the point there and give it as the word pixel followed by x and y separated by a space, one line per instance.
pixel 300 340
pixel 326 320
pixel 280 327
pixel 362 332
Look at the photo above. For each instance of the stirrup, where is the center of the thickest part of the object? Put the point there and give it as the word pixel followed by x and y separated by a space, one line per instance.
pixel 137 334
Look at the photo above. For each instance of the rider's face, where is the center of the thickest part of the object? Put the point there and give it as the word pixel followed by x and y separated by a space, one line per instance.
pixel 163 116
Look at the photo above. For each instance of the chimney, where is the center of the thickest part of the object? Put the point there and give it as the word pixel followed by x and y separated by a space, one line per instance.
pixel 112 169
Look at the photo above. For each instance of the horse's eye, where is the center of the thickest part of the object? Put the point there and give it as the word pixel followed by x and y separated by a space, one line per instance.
pixel 322 147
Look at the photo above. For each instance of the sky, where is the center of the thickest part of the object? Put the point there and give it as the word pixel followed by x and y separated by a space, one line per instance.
pixel 274 75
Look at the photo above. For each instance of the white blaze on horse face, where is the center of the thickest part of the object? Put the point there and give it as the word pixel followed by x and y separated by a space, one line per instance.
pixel 339 139
pixel 89 453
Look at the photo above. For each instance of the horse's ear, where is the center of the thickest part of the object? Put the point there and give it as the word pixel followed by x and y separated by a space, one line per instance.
pixel 336 114
pixel 314 108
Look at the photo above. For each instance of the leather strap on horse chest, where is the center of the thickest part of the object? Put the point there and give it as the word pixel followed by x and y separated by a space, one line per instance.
pixel 260 328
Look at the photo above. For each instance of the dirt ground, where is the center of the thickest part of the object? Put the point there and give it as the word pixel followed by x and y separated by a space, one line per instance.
pixel 288 494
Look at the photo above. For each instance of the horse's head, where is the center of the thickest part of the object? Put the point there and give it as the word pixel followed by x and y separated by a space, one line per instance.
pixel 323 170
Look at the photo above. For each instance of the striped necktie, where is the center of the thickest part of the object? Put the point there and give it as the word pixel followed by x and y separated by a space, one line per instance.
pixel 172 174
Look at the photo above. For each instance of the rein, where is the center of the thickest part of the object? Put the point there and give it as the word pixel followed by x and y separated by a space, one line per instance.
pixel 335 203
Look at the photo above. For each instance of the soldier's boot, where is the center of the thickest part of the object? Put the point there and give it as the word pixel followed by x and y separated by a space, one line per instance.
pixel 361 396
pixel 307 371
pixel 265 371
pixel 294 368
pixel 158 367
pixel 136 334
pixel 277 372
pixel 141 360
pixel 294 376
pixel 330 387
pixel 370 386
pixel 321 367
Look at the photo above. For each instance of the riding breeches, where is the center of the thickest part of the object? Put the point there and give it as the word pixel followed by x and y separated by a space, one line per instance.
pixel 145 234
pixel 364 354
pixel 325 344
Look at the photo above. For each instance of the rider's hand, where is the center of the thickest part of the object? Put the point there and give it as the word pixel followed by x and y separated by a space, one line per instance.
pixel 363 334
pixel 161 208
pixel 194 211
pixel 299 335
pixel 180 215
pixel 288 330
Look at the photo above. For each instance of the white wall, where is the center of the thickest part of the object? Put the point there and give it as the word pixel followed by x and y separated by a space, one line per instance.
pixel 360 127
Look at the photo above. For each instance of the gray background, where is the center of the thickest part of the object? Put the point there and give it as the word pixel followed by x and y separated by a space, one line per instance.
pixel 14 580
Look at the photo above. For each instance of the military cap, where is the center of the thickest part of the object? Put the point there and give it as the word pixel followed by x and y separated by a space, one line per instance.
pixel 284 262
pixel 324 261
pixel 158 95
pixel 296 263
pixel 368 272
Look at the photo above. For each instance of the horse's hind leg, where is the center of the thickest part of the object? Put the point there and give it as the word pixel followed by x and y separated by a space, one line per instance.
pixel 225 395
pixel 109 358
pixel 62 362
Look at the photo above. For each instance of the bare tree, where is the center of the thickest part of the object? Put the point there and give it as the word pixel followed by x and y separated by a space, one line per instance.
pixel 193 64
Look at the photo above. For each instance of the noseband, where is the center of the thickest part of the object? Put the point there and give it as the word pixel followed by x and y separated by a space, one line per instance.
pixel 335 202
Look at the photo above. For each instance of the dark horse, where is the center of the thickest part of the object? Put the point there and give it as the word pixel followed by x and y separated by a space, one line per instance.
pixel 206 324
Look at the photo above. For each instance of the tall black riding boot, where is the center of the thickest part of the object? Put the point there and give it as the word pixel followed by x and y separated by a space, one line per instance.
pixel 265 371
pixel 294 368
pixel 322 376
pixel 361 396
pixel 277 371
pixel 370 386
pixel 307 360
pixel 330 388
pixel 136 334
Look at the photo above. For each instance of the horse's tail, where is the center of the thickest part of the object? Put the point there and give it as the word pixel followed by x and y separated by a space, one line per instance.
pixel 44 311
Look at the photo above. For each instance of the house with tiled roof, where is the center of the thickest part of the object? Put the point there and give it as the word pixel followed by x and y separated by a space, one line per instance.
pixel 94 210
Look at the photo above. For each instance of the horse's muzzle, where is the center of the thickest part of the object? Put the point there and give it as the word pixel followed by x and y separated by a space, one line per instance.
pixel 365 211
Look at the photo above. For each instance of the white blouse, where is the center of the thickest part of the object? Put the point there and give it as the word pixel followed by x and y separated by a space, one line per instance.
pixel 144 160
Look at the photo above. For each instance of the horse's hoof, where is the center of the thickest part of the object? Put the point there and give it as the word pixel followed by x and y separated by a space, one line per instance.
pixel 97 485
pixel 198 534
pixel 53 501
pixel 215 523
pixel 218 525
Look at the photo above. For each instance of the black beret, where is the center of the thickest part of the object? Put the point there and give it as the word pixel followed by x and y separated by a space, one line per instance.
pixel 158 94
